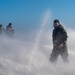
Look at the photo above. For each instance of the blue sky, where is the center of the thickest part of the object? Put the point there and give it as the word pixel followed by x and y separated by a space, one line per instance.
pixel 26 14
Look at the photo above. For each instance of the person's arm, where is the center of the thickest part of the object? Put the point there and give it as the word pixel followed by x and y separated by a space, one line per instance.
pixel 63 38
pixel 53 37
pixel 64 35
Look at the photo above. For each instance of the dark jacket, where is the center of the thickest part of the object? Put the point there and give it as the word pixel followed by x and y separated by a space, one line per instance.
pixel 59 35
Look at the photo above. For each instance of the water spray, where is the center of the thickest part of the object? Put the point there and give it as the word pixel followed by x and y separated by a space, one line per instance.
pixel 45 21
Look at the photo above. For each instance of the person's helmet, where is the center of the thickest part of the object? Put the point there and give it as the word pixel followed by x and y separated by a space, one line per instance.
pixel 56 21
pixel 10 24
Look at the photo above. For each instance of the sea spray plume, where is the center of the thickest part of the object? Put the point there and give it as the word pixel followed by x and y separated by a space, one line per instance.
pixel 45 21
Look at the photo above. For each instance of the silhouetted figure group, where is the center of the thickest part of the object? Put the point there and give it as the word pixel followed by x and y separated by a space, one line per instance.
pixel 59 36
pixel 9 31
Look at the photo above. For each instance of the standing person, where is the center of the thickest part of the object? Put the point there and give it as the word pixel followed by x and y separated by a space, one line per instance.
pixel 59 42
pixel 10 31
pixel 2 30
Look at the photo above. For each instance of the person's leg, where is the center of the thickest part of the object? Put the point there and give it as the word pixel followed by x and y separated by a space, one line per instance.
pixel 54 55
pixel 64 54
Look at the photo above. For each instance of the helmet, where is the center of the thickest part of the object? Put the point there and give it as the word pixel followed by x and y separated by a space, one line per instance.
pixel 56 21
pixel 10 23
